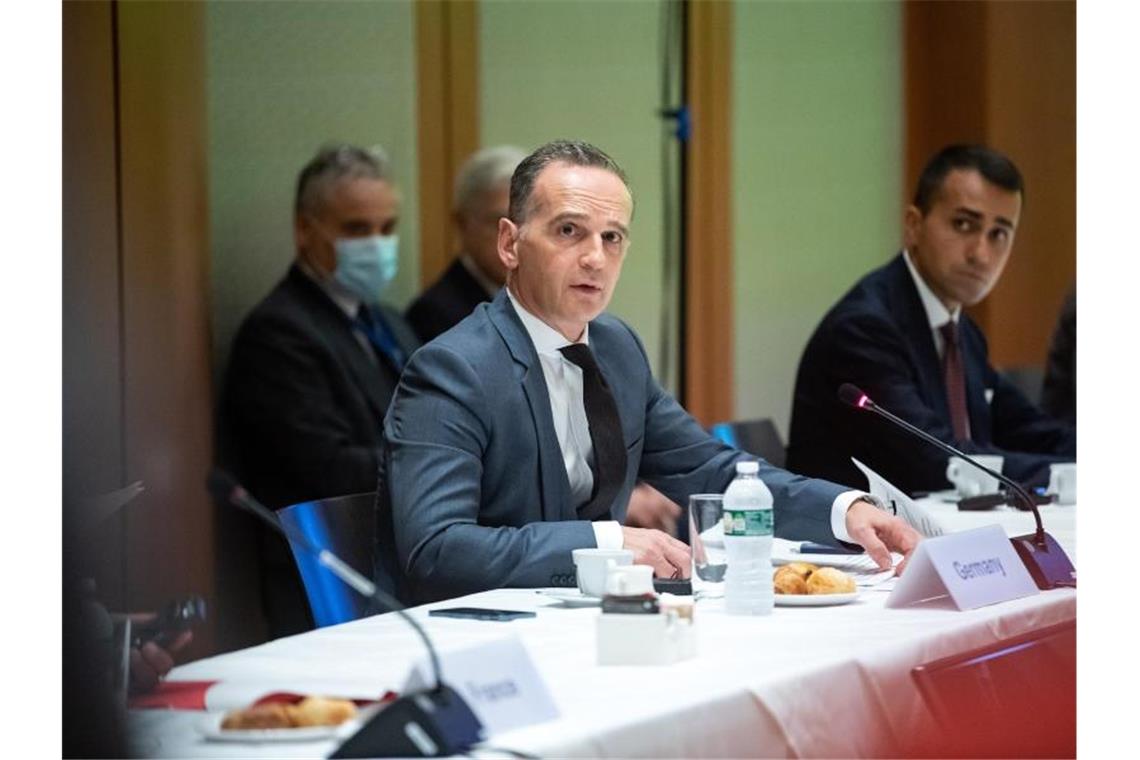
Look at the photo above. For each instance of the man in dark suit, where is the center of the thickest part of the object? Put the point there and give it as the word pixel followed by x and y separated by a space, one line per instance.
pixel 517 436
pixel 479 201
pixel 900 334
pixel 313 366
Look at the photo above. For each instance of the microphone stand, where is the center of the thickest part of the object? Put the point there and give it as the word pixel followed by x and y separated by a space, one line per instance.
pixel 422 724
pixel 1042 556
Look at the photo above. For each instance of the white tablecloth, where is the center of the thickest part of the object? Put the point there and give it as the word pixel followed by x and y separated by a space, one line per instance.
pixel 826 681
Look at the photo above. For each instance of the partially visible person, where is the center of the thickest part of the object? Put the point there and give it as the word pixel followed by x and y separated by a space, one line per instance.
pixel 517 436
pixel 152 660
pixel 901 335
pixel 478 202
pixel 1059 390
pixel 314 365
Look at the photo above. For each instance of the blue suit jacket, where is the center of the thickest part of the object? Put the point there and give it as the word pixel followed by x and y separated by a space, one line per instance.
pixel 878 337
pixel 473 490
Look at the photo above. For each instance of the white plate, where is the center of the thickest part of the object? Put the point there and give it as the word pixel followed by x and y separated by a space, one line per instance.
pixel 571 597
pixel 814 600
pixel 211 728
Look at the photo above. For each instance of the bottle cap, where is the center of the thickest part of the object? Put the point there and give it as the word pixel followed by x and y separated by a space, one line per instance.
pixel 747 468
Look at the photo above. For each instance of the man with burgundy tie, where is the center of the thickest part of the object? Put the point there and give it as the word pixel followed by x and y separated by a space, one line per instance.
pixel 517 436
pixel 900 334
pixel 314 365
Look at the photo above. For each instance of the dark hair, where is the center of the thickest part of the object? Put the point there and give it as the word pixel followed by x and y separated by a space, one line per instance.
pixel 332 164
pixel 573 152
pixel 995 167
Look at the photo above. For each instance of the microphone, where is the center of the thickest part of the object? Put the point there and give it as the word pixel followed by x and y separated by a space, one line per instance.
pixel 436 721
pixel 1043 557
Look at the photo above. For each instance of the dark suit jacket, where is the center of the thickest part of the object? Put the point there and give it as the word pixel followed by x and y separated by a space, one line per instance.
pixel 301 414
pixel 878 337
pixel 451 298
pixel 473 491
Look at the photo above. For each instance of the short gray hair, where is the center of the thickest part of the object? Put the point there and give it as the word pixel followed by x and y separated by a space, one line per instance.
pixel 482 171
pixel 572 152
pixel 333 164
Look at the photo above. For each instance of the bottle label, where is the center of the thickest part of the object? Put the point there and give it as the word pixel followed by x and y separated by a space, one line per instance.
pixel 748 522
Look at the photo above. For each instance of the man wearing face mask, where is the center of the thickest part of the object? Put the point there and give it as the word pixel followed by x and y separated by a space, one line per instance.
pixel 314 365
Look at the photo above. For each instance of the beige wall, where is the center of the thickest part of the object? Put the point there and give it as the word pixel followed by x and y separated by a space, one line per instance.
pixel 589 71
pixel 817 167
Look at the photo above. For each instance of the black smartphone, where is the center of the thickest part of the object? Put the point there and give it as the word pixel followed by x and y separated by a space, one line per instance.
pixel 480 613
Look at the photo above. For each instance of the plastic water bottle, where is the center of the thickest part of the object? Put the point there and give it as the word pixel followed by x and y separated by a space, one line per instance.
pixel 748 532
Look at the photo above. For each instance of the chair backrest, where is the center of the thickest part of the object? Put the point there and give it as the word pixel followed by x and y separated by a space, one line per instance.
pixel 1014 698
pixel 345 525
pixel 757 437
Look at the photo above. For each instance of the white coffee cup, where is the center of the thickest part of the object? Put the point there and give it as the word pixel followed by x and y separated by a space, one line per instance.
pixel 629 580
pixel 593 565
pixel 969 480
pixel 1063 482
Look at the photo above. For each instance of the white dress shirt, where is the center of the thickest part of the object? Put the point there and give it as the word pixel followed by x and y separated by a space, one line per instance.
pixel 564 386
pixel 568 408
pixel 936 312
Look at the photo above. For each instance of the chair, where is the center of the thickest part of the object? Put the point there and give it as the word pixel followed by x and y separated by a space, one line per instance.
pixel 345 525
pixel 757 437
pixel 1015 698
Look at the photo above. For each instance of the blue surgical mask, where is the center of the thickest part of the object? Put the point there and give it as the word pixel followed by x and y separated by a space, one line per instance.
pixel 366 265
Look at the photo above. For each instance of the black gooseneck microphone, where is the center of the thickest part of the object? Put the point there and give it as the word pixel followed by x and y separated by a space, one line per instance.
pixel 427 723
pixel 1043 557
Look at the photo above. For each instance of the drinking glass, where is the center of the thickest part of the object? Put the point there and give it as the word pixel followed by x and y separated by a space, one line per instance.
pixel 706 537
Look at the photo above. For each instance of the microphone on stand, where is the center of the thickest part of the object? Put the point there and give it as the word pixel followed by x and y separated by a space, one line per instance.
pixel 1043 557
pixel 427 723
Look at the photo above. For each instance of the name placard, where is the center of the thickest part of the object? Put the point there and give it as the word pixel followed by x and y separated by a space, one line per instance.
pixel 974 567
pixel 499 681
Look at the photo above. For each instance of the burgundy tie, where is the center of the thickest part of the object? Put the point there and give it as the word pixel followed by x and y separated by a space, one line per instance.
pixel 955 376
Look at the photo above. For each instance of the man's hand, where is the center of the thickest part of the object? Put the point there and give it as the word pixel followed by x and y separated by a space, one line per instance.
pixel 880 534
pixel 668 557
pixel 150 662
pixel 649 508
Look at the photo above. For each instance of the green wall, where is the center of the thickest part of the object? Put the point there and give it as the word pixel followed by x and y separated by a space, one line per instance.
pixel 284 78
pixel 589 71
pixel 817 167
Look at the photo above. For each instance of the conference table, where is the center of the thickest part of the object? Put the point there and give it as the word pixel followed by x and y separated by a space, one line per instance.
pixel 818 681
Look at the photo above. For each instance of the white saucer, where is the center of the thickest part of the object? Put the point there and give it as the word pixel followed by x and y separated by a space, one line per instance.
pixel 571 597
pixel 814 600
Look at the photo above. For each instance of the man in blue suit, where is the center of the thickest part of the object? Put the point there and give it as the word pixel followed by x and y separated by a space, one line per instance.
pixel 900 334
pixel 517 436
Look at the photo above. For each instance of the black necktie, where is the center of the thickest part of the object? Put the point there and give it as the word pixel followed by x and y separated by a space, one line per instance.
pixel 955 376
pixel 605 434
pixel 380 336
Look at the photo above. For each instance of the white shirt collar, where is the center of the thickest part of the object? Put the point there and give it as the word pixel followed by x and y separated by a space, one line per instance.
pixel 346 301
pixel 476 273
pixel 546 339
pixel 936 312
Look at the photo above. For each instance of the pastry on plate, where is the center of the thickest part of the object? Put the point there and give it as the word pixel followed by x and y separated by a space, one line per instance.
pixel 322 711
pixel 310 711
pixel 788 581
pixel 828 580
pixel 272 715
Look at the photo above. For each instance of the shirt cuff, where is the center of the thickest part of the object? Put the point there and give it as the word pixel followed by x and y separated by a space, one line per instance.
pixel 839 509
pixel 608 535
